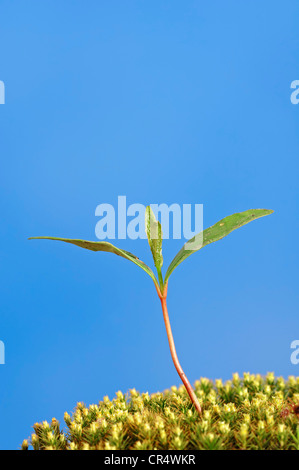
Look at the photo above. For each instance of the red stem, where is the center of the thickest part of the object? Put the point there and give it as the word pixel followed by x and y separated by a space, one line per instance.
pixel 174 356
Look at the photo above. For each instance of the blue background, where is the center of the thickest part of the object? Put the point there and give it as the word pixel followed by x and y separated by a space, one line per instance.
pixel 161 101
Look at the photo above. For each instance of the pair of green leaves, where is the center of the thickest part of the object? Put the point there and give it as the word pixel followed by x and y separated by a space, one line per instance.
pixel 154 233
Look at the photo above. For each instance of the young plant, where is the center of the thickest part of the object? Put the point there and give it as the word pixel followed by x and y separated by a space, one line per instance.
pixel 154 235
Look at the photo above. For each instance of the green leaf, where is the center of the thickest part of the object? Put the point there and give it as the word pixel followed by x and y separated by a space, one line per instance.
pixel 104 246
pixel 214 233
pixel 154 234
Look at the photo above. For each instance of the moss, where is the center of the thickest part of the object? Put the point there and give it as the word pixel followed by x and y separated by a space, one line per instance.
pixel 251 412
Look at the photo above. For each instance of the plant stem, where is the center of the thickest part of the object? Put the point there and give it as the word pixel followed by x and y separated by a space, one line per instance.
pixel 160 277
pixel 174 356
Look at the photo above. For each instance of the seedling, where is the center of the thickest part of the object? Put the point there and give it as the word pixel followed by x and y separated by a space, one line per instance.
pixel 154 235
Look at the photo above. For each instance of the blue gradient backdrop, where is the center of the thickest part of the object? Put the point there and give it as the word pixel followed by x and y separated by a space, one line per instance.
pixel 161 101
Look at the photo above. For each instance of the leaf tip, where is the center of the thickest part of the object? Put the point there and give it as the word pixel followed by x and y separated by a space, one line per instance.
pixel 268 211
